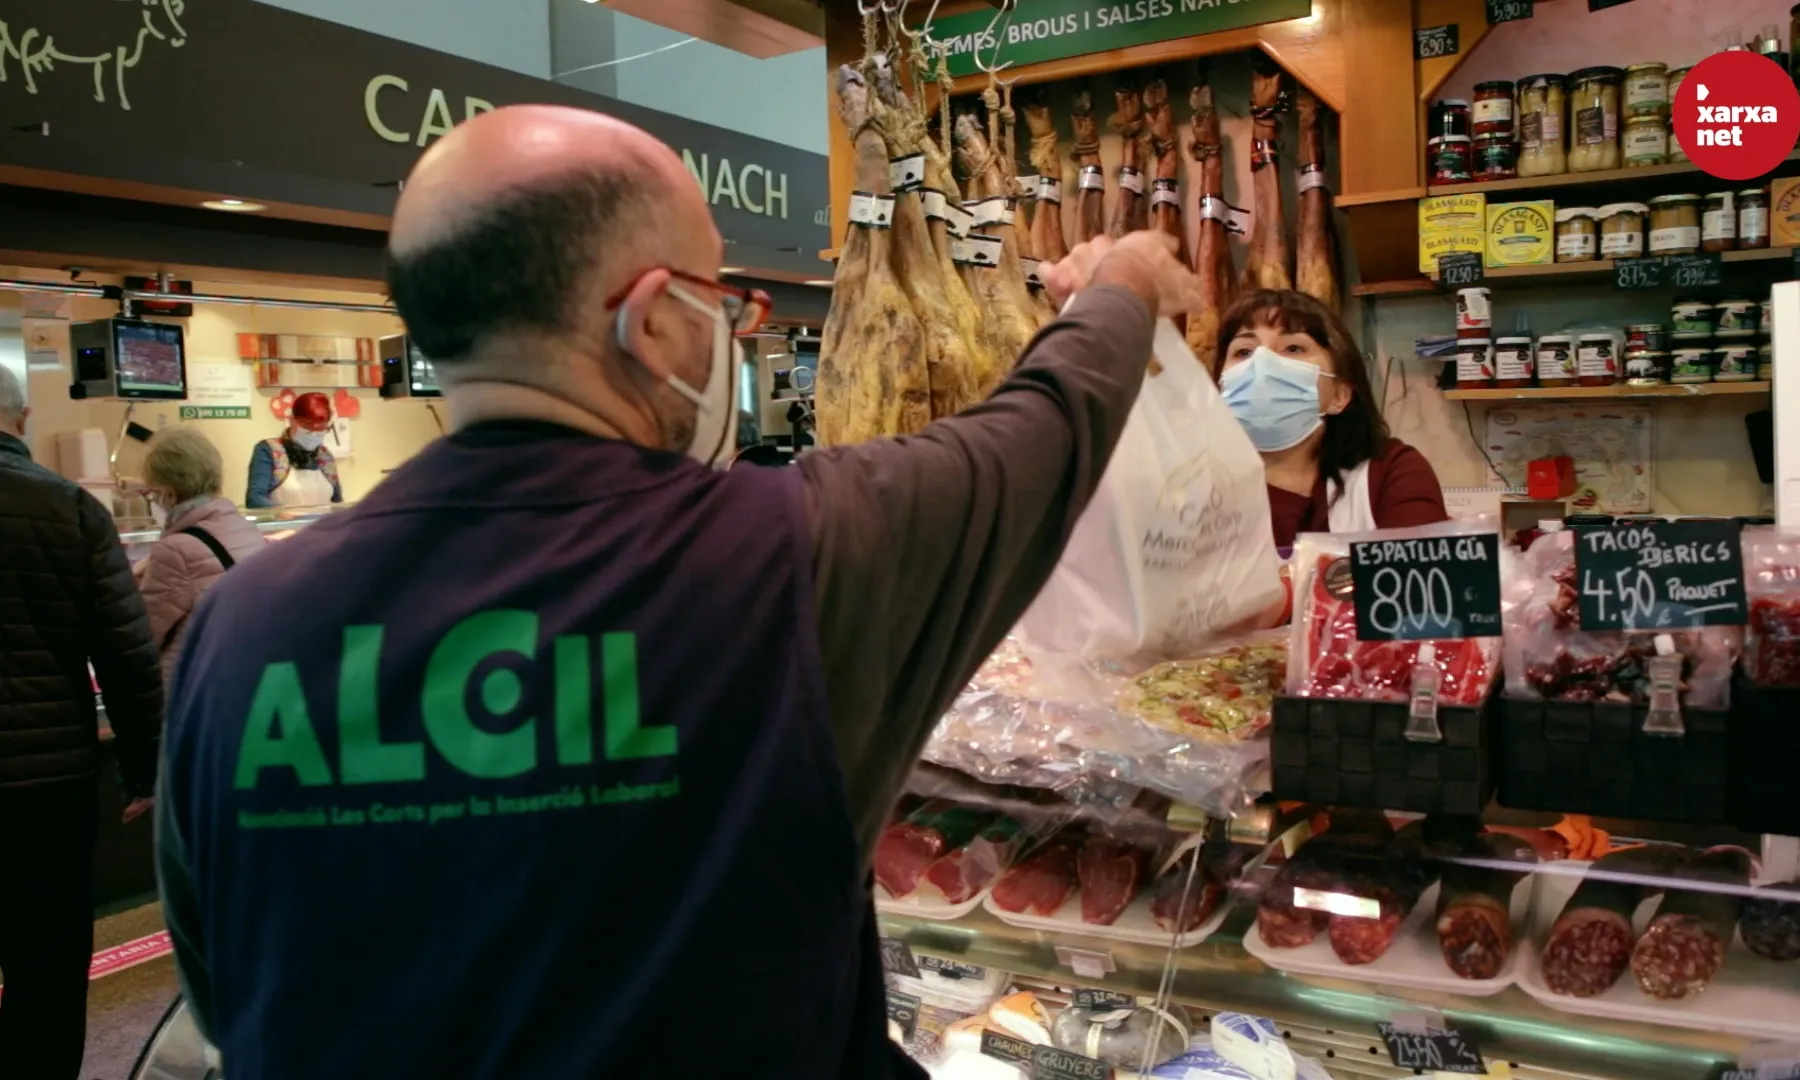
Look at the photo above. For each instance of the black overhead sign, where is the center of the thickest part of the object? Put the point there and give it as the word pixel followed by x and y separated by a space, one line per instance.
pixel 254 101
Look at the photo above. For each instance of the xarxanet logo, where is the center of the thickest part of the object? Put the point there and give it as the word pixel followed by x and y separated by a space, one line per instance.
pixel 1737 115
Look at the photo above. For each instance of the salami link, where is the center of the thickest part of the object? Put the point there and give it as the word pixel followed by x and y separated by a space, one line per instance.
pixel 1685 943
pixel 1328 862
pixel 1474 908
pixel 1771 926
pixel 1590 944
pixel 1409 863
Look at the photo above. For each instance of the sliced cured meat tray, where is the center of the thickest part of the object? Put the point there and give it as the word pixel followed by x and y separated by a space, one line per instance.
pixel 1135 924
pixel 1749 995
pixel 1413 960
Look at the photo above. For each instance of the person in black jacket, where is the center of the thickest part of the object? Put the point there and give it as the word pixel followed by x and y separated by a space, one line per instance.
pixel 66 599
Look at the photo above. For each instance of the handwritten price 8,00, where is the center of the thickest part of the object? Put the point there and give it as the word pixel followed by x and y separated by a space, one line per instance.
pixel 1419 600
pixel 1635 593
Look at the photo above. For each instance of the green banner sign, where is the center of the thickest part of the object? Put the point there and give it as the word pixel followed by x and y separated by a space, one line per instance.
pixel 215 412
pixel 1054 29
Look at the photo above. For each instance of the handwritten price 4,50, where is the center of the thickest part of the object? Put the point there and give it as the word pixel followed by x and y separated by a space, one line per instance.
pixel 1635 592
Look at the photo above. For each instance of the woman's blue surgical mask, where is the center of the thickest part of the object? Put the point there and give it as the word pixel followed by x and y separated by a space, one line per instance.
pixel 1275 398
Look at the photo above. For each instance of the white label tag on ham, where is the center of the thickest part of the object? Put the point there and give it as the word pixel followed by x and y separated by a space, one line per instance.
pixel 1049 190
pixel 995 210
pixel 1093 178
pixel 871 211
pixel 959 220
pixel 907 173
pixel 1028 186
pixel 936 205
pixel 1236 221
pixel 976 250
pixel 1034 276
pixel 1132 180
pixel 1309 178
pixel 1165 192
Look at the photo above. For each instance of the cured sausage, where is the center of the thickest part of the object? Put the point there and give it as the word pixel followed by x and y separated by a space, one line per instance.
pixel 1590 944
pixel 1129 213
pixel 1165 155
pixel 1408 863
pixel 1474 908
pixel 1268 266
pixel 1354 841
pixel 1315 262
pixel 1769 925
pixel 1090 199
pixel 1212 255
pixel 1685 943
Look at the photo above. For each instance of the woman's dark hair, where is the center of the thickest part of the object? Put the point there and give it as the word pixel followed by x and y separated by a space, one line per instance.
pixel 1351 437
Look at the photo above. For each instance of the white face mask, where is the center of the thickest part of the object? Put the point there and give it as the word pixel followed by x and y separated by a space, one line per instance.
pixel 309 440
pixel 715 428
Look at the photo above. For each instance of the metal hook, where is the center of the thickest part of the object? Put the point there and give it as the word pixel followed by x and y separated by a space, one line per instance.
pixel 993 67
pixel 863 6
pixel 924 30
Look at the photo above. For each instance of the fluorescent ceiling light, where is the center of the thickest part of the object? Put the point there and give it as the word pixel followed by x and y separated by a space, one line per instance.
pixel 823 283
pixel 234 206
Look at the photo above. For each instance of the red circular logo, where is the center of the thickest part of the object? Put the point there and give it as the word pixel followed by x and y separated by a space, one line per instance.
pixel 1737 115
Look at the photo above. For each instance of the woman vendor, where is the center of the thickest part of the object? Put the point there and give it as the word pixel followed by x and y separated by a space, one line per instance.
pixel 296 469
pixel 1296 382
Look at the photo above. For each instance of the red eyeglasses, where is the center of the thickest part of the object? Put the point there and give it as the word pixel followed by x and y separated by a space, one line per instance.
pixel 746 309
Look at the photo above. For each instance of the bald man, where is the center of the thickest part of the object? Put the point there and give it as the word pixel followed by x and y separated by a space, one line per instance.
pixel 564 733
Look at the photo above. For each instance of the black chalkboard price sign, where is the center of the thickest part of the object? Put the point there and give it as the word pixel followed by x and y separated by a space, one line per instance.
pixel 1005 1047
pixel 1433 41
pixel 1426 588
pixel 1503 11
pixel 1459 269
pixel 897 958
pixel 1700 270
pixel 903 1010
pixel 1431 1049
pixel 1643 273
pixel 1660 575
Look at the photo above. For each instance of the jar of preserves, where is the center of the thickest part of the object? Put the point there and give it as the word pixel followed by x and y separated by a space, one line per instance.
pixel 1474 312
pixel 1646 142
pixel 1594 119
pixel 1738 319
pixel 1753 218
pixel 1493 110
pixel 1691 365
pixel 1577 234
pixel 1622 229
pixel 1515 361
pixel 1646 367
pixel 1475 364
pixel 1543 105
pixel 1653 336
pixel 1718 222
pixel 1596 360
pixel 1674 224
pixel 1449 118
pixel 1692 320
pixel 1495 157
pixel 1556 361
pixel 1451 159
pixel 1736 363
pixel 1647 90
pixel 1765 362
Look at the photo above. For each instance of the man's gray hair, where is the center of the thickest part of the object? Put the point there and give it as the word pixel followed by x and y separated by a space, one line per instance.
pixel 12 395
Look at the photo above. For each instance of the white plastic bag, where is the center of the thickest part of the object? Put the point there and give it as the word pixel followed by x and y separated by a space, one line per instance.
pixel 1176 549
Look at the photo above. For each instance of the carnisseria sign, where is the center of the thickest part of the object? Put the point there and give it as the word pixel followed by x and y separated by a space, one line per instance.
pixel 1055 29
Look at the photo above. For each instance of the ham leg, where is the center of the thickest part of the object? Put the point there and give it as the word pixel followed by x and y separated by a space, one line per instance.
pixel 1269 263
pixel 1046 224
pixel 1001 289
pixel 1129 214
pixel 1315 264
pixel 1212 255
pixel 1165 150
pixel 1090 200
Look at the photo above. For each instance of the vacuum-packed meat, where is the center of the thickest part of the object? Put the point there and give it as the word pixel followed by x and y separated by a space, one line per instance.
pixel 1043 880
pixel 1682 948
pixel 1474 907
pixel 906 848
pixel 1770 922
pixel 1111 873
pixel 1772 587
pixel 1590 944
pixel 964 872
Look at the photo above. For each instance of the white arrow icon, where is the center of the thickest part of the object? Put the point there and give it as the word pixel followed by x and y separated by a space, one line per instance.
pixel 1700 92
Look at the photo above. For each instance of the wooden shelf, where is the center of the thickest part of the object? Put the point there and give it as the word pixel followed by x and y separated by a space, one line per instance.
pixel 1611 393
pixel 1549 273
pixel 1586 179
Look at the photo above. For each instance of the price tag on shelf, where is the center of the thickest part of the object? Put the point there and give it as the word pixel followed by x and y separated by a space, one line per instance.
pixel 1087 997
pixel 897 958
pixel 1643 273
pixel 1459 269
pixel 950 969
pixel 1425 588
pixel 1005 1047
pixel 1433 1049
pixel 1433 41
pixel 1698 271
pixel 1659 575
pixel 903 1009
pixel 1503 11
pixel 1050 1063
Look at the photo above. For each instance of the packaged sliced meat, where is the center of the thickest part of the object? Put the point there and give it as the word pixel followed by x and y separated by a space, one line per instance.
pixel 1770 923
pixel 1474 906
pixel 908 847
pixel 1186 896
pixel 1325 659
pixel 1772 584
pixel 1590 944
pixel 1227 694
pixel 1549 657
pixel 964 872
pixel 1043 880
pixel 1682 948
pixel 1111 873
pixel 1350 848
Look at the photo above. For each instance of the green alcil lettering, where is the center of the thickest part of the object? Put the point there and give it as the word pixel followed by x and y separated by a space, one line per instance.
pixel 574 701
pixel 279 732
pixel 625 740
pixel 467 747
pixel 362 757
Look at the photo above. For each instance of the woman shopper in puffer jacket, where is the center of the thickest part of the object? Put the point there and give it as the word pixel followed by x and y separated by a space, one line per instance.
pixel 204 534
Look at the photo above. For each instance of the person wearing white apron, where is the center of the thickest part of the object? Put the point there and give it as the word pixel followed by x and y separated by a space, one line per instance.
pixel 296 469
pixel 1297 383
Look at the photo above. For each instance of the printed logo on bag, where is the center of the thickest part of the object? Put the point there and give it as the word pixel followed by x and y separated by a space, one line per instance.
pixel 1737 115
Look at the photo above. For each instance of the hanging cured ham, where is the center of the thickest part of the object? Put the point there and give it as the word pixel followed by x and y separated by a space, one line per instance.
pixel 1268 266
pixel 1212 253
pixel 1129 214
pixel 1090 205
pixel 1315 262
pixel 1046 223
pixel 1165 154
pixel 996 277
pixel 872 373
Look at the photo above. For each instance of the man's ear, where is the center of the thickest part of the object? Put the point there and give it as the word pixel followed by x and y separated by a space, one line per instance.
pixel 643 327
